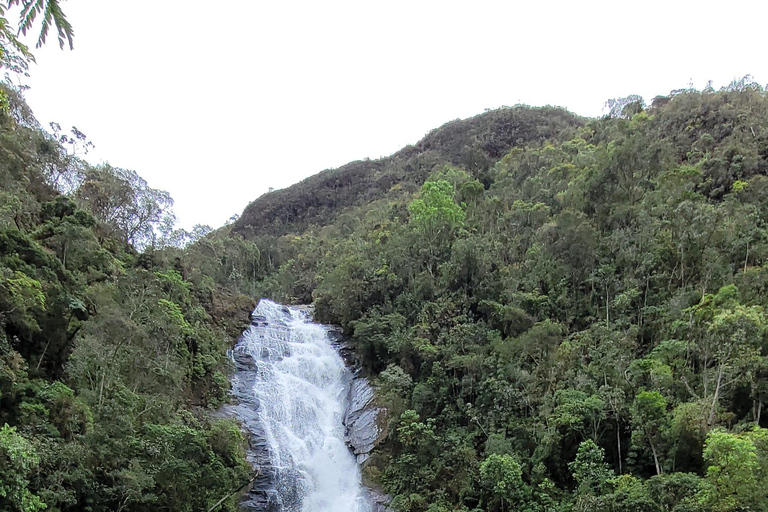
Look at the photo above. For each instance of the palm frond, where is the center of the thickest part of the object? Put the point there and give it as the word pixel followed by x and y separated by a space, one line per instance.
pixel 51 15
pixel 29 12
pixel 64 29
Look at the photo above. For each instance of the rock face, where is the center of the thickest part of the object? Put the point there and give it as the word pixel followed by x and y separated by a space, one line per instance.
pixel 365 421
pixel 362 419
pixel 379 501
pixel 260 495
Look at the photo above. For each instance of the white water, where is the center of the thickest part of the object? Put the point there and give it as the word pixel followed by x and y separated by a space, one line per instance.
pixel 299 390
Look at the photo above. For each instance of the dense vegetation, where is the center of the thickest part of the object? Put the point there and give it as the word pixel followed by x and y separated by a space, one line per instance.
pixel 560 314
pixel 571 320
pixel 110 359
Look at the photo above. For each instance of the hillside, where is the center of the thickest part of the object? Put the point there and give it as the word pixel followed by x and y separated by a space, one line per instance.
pixel 568 318
pixel 473 144
pixel 110 359
pixel 559 314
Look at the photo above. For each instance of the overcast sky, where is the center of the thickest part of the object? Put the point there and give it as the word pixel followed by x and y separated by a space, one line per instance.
pixel 216 102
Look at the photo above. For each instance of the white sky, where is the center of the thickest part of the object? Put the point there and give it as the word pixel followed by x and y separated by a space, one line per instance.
pixel 216 102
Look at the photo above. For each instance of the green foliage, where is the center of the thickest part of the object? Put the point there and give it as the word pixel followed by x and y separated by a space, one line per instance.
pixel 435 218
pixel 735 479
pixel 175 317
pixel 650 421
pixel 575 410
pixel 51 16
pixel 435 210
pixel 125 204
pixel 17 461
pixel 109 360
pixel 20 291
pixel 587 298
pixel 502 476
pixel 14 55
pixel 560 313
pixel 590 470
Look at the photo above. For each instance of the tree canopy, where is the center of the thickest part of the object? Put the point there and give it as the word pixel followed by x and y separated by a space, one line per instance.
pixel 586 306
pixel 559 314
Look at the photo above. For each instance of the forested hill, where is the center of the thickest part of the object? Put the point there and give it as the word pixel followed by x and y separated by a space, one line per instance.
pixel 111 360
pixel 572 321
pixel 560 314
pixel 474 144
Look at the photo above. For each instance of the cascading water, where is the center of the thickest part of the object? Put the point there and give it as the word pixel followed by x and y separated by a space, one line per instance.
pixel 291 387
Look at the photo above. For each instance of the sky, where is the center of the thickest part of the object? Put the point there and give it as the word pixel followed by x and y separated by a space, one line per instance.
pixel 217 102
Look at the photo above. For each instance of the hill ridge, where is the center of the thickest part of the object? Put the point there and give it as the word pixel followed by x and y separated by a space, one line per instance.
pixel 474 143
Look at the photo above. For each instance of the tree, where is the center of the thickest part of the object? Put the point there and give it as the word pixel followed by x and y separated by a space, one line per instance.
pixel 650 421
pixel 579 411
pixel 435 216
pixel 728 338
pixel 590 470
pixel 124 201
pixel 502 476
pixel 17 461
pixel 733 481
pixel 625 107
pixel 435 211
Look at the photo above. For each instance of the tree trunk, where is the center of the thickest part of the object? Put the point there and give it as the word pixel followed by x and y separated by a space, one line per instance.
pixel 746 258
pixel 618 442
pixel 42 356
pixel 655 459
pixel 715 397
pixel 216 505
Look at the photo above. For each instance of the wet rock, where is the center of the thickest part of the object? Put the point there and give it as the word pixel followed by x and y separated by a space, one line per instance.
pixel 363 419
pixel 364 434
pixel 379 500
pixel 345 346
pixel 259 320
pixel 307 309
pixel 244 362
pixel 260 494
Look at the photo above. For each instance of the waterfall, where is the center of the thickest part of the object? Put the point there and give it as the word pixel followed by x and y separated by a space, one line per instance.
pixel 291 386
